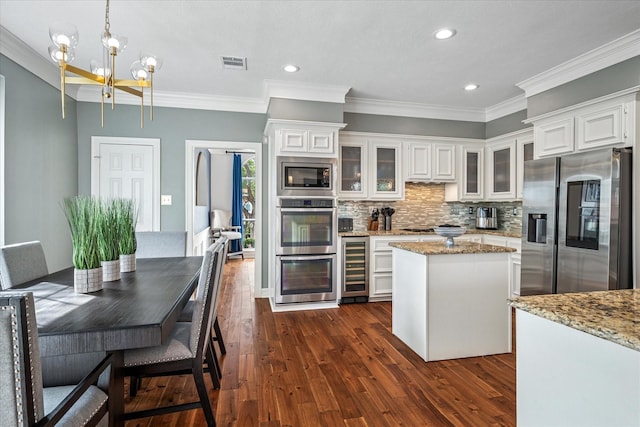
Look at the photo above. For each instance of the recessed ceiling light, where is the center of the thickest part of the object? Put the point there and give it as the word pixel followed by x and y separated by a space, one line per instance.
pixel 444 33
pixel 290 68
pixel 471 86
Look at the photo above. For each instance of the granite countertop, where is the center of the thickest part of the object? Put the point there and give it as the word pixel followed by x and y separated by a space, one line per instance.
pixel 439 248
pixel 364 233
pixel 611 315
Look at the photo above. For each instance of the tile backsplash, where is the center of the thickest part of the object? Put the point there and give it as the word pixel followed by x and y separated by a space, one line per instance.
pixel 424 206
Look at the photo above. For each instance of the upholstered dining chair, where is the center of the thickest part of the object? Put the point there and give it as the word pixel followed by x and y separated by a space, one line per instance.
pixel 23 399
pixel 20 263
pixel 216 333
pixel 221 226
pixel 161 244
pixel 186 349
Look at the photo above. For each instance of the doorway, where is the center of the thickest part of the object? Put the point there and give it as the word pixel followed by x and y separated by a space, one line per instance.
pixel 252 179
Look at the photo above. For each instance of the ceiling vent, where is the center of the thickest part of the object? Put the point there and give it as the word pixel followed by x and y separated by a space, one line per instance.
pixel 234 62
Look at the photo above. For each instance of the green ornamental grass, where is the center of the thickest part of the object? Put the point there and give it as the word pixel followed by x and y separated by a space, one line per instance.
pixel 127 219
pixel 108 231
pixel 83 214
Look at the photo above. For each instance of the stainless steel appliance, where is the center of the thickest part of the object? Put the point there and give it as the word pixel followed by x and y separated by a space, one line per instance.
pixel 306 177
pixel 306 248
pixel 345 224
pixel 355 270
pixel 576 223
pixel 487 218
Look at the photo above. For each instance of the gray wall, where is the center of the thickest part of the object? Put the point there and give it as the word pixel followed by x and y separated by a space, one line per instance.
pixel 313 111
pixel 173 126
pixel 41 161
pixel 612 79
pixel 506 124
pixel 413 126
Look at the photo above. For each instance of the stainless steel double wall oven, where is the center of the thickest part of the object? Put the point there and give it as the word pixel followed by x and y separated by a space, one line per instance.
pixel 306 247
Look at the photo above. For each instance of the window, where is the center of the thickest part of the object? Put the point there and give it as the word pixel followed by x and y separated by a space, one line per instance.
pixel 249 201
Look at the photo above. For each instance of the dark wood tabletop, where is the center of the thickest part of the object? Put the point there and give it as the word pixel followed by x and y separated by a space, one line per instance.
pixel 139 310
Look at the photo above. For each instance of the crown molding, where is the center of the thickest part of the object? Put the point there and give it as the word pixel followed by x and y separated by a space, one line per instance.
pixel 180 100
pixel 304 91
pixel 410 109
pixel 505 108
pixel 604 56
pixel 22 54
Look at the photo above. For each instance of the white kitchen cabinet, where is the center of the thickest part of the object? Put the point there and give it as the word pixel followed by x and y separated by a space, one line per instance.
pixel 603 125
pixel 380 160
pixel 607 121
pixel 444 166
pixel 380 265
pixel 385 181
pixel 501 169
pixel 418 160
pixel 516 272
pixel 514 264
pixel 430 161
pixel 472 164
pixel 354 163
pixel 306 139
pixel 524 153
pixel 554 137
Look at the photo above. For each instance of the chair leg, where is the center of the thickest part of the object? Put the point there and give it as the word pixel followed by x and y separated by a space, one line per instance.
pixel 218 336
pixel 212 364
pixel 198 376
pixel 135 384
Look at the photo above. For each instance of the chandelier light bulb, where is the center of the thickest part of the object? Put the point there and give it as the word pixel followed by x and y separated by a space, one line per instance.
pixel 58 55
pixel 99 70
pixel 150 62
pixel 114 41
pixel 64 34
pixel 137 71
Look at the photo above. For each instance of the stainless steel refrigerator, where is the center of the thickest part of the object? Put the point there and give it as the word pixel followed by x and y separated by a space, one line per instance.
pixel 576 223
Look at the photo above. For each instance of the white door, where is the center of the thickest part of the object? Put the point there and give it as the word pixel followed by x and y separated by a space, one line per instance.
pixel 128 168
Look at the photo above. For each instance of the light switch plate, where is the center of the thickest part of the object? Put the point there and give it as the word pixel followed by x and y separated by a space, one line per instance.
pixel 165 199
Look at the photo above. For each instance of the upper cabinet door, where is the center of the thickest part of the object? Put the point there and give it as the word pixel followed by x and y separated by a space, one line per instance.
pixel 501 169
pixel 322 142
pixel 524 152
pixel 353 170
pixel 472 185
pixel 386 177
pixel 418 161
pixel 602 127
pixel 293 141
pixel 444 162
pixel 554 138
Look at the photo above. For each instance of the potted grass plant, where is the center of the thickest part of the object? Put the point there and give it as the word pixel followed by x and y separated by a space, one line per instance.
pixel 83 215
pixel 127 218
pixel 108 240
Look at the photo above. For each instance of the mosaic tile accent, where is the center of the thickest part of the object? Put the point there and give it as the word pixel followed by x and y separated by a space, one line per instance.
pixel 424 207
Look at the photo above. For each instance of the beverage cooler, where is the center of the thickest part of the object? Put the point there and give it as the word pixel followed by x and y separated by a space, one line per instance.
pixel 355 270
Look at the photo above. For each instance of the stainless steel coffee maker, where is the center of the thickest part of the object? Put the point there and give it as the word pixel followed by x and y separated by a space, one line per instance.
pixel 487 218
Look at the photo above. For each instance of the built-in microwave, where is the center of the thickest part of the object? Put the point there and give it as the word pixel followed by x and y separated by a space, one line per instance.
pixel 304 177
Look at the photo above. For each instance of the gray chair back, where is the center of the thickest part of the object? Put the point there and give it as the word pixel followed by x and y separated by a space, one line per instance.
pixel 161 244
pixel 21 396
pixel 201 320
pixel 21 263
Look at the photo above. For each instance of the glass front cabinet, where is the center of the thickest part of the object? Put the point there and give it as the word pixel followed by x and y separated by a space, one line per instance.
pixel 501 169
pixel 353 178
pixel 387 177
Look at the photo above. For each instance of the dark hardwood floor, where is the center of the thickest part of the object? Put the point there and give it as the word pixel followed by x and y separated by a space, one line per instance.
pixel 337 367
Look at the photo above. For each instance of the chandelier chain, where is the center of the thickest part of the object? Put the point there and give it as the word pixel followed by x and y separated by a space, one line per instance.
pixel 107 24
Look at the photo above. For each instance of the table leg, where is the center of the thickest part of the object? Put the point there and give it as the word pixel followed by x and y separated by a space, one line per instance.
pixel 116 390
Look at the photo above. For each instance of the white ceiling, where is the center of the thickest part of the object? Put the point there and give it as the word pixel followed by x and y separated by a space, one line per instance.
pixel 382 50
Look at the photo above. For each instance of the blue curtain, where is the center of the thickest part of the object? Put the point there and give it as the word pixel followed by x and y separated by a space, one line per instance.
pixel 236 202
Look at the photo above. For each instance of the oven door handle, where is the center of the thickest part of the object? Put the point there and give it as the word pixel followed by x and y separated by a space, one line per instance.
pixel 306 257
pixel 296 210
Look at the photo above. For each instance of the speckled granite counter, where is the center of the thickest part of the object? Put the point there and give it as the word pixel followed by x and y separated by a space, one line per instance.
pixel 362 233
pixel 611 315
pixel 438 248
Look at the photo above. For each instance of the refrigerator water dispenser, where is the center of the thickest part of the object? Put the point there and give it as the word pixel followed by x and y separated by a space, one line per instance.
pixel 537 228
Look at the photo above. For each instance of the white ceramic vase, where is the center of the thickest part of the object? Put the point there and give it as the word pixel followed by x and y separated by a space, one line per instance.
pixel 127 263
pixel 86 281
pixel 110 270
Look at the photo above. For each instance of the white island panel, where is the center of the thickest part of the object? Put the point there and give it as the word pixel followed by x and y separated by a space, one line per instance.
pixel 452 305
pixel 566 377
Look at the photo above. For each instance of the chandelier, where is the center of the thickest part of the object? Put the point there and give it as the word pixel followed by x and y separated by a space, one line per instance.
pixel 65 39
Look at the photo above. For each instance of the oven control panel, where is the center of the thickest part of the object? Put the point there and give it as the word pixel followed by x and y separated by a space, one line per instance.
pixel 306 203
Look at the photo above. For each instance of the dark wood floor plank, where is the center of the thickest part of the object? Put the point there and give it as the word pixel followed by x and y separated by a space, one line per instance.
pixel 335 367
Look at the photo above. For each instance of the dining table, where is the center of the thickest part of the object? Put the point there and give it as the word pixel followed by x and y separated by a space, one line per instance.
pixel 139 310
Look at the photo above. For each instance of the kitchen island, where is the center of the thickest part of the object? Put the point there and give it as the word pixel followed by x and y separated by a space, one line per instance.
pixel 578 359
pixel 451 302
